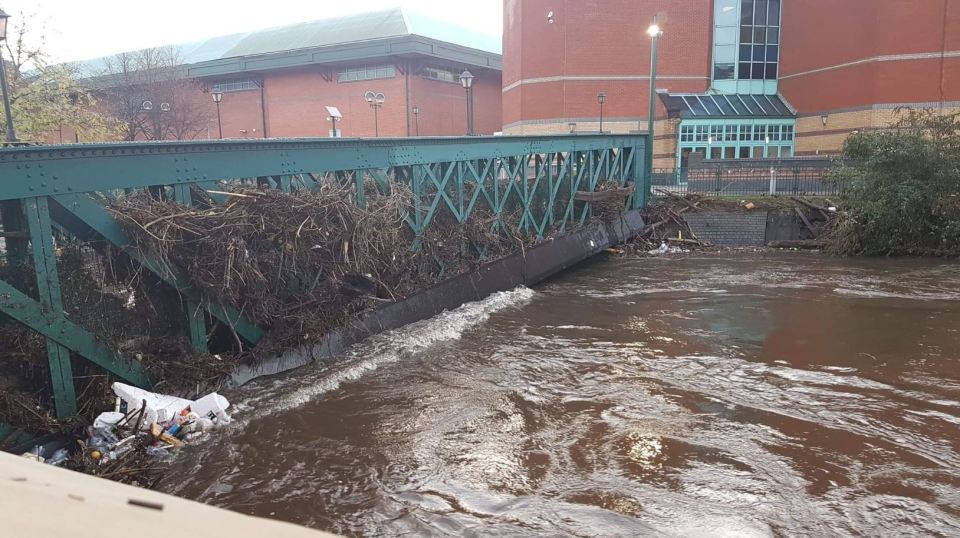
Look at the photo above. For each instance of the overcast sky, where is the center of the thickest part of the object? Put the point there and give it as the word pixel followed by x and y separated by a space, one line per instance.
pixel 78 29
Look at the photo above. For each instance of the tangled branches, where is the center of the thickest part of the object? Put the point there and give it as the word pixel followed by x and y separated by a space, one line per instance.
pixel 303 263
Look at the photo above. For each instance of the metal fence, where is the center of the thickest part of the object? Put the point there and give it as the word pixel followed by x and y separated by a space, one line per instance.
pixel 780 177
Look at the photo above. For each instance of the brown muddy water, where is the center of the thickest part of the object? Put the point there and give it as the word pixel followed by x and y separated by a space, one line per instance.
pixel 737 395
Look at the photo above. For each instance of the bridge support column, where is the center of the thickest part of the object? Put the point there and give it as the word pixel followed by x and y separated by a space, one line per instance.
pixel 51 302
pixel 196 316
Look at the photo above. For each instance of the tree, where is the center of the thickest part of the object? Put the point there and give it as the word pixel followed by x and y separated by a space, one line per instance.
pixel 176 109
pixel 45 98
pixel 902 187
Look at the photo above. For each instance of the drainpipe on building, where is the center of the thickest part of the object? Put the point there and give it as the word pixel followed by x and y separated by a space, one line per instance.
pixel 263 106
pixel 406 71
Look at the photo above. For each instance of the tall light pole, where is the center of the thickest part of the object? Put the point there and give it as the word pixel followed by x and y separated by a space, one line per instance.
pixel 147 106
pixel 416 116
pixel 376 101
pixel 217 97
pixel 601 98
pixel 11 133
pixel 654 32
pixel 466 79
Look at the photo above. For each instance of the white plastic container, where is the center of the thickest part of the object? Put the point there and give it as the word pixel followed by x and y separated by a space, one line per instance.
pixel 212 406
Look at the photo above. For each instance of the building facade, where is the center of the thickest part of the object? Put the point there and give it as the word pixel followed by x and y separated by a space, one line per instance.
pixel 736 79
pixel 279 82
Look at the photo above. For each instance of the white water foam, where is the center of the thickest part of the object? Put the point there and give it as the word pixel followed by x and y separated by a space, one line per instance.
pixel 378 350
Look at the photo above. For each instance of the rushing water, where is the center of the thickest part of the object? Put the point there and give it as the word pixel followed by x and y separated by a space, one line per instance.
pixel 741 395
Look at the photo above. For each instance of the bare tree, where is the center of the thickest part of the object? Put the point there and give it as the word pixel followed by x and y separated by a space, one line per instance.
pixel 156 78
pixel 46 98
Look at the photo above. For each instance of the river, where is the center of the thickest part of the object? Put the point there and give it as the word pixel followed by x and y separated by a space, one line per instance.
pixel 711 395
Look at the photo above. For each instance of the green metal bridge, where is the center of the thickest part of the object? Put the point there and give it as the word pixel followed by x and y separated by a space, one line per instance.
pixel 48 193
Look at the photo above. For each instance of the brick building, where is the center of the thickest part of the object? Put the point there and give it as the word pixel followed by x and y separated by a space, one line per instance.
pixel 736 78
pixel 279 82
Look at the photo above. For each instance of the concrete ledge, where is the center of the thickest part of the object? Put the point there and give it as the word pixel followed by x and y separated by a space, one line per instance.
pixel 42 500
pixel 527 268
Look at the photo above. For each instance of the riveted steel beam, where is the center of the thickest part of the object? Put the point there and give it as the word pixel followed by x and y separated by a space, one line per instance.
pixel 51 303
pixel 64 332
pixel 51 170
pixel 83 216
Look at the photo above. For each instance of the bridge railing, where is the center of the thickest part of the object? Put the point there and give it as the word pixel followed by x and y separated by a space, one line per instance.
pixel 48 193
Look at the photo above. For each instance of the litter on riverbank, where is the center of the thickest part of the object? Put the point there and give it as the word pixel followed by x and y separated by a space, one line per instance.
pixel 131 443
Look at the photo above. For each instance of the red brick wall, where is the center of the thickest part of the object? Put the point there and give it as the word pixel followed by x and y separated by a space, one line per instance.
pixel 823 34
pixel 605 38
pixel 241 115
pixel 296 101
pixel 443 105
pixel 601 41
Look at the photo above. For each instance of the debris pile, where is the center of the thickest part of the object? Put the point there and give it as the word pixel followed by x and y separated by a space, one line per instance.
pixel 300 264
pixel 131 443
pixel 668 232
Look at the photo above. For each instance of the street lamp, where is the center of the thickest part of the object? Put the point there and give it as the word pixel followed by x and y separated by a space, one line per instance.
pixel 217 97
pixel 601 98
pixel 466 79
pixel 11 133
pixel 376 101
pixel 766 148
pixel 147 106
pixel 416 117
pixel 654 32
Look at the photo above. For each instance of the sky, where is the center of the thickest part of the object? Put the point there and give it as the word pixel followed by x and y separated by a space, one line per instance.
pixel 79 30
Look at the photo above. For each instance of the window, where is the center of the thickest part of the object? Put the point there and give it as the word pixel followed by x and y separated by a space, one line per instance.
pixel 725 39
pixel 736 139
pixel 227 86
pixel 759 39
pixel 366 72
pixel 441 74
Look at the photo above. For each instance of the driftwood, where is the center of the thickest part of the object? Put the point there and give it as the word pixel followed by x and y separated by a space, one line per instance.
pixel 605 195
pixel 691 242
pixel 804 244
pixel 806 222
pixel 823 211
pixel 691 205
pixel 651 228
pixel 808 203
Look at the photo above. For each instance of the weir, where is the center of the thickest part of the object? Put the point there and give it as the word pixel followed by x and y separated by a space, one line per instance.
pixel 53 194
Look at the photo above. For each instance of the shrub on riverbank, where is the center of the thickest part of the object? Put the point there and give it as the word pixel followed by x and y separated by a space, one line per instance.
pixel 901 193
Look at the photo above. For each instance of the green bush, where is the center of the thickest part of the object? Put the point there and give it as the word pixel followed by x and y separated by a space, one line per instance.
pixel 901 188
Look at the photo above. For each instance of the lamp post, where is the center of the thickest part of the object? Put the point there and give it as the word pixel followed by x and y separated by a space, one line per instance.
pixel 416 118
pixel 766 148
pixel 654 32
pixel 601 98
pixel 217 97
pixel 11 133
pixel 376 101
pixel 147 106
pixel 466 80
